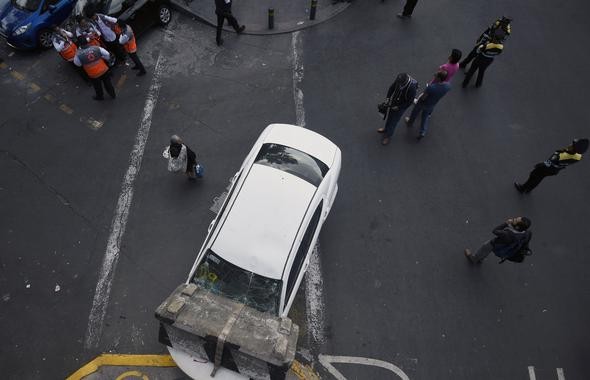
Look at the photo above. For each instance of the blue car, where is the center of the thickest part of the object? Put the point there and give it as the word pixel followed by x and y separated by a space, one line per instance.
pixel 26 24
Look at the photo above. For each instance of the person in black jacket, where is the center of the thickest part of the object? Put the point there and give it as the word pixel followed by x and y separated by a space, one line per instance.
pixel 223 11
pixel 559 160
pixel 511 238
pixel 400 96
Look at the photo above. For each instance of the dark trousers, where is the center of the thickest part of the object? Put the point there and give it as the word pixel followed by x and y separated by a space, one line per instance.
pixel 137 62
pixel 480 64
pixel 472 54
pixel 104 79
pixel 409 7
pixel 230 19
pixel 392 120
pixel 536 176
pixel 115 48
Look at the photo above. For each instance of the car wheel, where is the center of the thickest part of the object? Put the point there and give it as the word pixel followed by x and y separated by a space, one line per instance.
pixel 45 40
pixel 164 14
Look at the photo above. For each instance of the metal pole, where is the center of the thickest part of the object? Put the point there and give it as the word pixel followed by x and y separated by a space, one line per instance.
pixel 314 6
pixel 271 18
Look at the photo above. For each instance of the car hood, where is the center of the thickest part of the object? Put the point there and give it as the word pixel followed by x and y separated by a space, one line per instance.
pixel 11 17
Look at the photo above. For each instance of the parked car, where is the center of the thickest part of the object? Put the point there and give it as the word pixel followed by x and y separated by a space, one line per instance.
pixel 26 24
pixel 140 14
pixel 259 245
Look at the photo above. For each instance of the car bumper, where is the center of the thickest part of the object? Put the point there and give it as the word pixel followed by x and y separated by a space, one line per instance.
pixel 22 42
pixel 199 368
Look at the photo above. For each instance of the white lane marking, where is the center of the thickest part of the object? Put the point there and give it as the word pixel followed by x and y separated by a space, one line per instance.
pixel 327 361
pixel 532 373
pixel 314 297
pixel 560 374
pixel 297 78
pixel 109 264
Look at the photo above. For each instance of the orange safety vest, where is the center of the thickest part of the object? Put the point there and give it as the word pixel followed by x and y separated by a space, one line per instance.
pixel 92 61
pixel 69 51
pixel 130 46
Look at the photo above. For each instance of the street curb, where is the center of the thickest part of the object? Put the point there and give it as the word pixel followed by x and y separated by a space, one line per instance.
pixel 122 360
pixel 335 10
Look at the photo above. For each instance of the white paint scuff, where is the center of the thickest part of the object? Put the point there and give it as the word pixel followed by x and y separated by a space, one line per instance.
pixel 298 78
pixel 109 264
pixel 532 373
pixel 560 374
pixel 314 297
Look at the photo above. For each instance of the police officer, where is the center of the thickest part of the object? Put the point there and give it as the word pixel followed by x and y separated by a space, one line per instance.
pixel 127 39
pixel 559 160
pixel 94 61
pixel 486 53
pixel 500 29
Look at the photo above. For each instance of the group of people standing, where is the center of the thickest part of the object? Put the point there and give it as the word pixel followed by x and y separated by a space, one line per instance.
pixel 95 45
pixel 511 239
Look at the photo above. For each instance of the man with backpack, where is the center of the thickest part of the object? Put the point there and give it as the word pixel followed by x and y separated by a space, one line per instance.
pixel 511 242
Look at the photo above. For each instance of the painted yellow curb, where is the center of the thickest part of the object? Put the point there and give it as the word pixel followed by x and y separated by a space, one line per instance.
pixel 123 360
pixel 303 372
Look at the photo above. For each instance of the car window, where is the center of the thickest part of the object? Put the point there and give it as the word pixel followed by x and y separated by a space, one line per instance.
pixel 30 5
pixel 114 6
pixel 223 278
pixel 292 161
pixel 302 251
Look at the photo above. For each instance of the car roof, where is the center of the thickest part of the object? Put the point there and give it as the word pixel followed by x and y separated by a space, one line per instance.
pixel 262 224
pixel 302 139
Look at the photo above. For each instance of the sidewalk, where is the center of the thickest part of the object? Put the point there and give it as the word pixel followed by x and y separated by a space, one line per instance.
pixel 289 15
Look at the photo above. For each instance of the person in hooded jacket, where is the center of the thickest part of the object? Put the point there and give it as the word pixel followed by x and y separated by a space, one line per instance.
pixel 400 96
pixel 180 157
pixel 511 238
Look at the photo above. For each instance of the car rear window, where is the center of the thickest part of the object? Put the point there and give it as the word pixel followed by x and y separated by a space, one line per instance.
pixel 228 280
pixel 30 5
pixel 292 161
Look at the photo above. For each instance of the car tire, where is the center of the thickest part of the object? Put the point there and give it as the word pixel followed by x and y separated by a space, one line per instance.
pixel 164 14
pixel 45 38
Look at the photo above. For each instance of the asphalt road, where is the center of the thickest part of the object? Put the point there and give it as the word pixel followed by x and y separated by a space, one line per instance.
pixel 395 285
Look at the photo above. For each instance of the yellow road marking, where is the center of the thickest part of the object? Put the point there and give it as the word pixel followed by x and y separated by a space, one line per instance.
pixel 303 372
pixel 3 65
pixel 49 98
pixel 128 374
pixel 17 75
pixel 94 124
pixel 121 81
pixel 66 109
pixel 122 360
pixel 34 87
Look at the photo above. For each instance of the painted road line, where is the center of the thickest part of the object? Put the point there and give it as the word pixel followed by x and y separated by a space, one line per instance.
pixel 298 78
pixel 303 372
pixel 327 360
pixel 16 75
pixel 560 374
pixel 94 124
pixel 109 264
pixel 532 373
pixel 121 81
pixel 34 87
pixel 49 98
pixel 122 360
pixel 3 65
pixel 66 109
pixel 314 297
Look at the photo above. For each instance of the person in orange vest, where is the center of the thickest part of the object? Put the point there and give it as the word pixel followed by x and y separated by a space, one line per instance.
pixel 63 43
pixel 94 61
pixel 127 39
pixel 86 28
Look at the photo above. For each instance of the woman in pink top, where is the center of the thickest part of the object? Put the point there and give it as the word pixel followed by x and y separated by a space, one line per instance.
pixel 452 66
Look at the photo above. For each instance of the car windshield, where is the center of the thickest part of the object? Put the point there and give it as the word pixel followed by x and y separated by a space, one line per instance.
pixel 228 280
pixel 30 5
pixel 292 161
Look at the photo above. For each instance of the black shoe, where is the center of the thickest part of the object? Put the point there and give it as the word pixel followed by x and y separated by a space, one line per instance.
pixel 135 67
pixel 141 73
pixel 241 30
pixel 519 187
pixel 403 16
pixel 462 65
pixel 420 136
pixel 219 42
pixel 477 85
pixel 464 84
pixel 99 98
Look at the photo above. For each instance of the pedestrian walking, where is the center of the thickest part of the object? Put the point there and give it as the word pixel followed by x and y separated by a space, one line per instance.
pixel 223 12
pixel 127 39
pixel 408 9
pixel 94 61
pixel 452 66
pixel 427 100
pixel 180 158
pixel 559 160
pixel 485 56
pixel 400 96
pixel 500 30
pixel 511 242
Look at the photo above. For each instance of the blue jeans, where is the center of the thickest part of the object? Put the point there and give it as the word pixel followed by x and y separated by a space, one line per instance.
pixel 426 112
pixel 392 120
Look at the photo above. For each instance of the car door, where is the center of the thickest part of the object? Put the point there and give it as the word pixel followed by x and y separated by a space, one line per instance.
pixel 54 12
